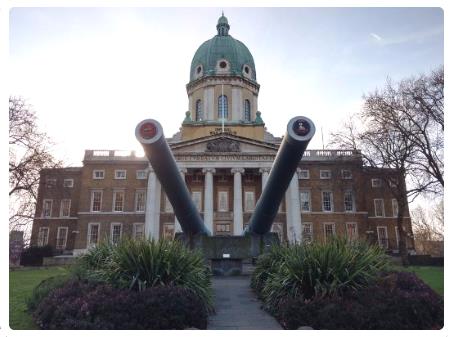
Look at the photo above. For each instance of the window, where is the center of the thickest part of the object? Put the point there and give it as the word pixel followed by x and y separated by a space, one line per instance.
pixel 93 233
pixel 138 231
pixel 197 198
pixel 120 174
pixel 329 230
pixel 303 174
pixel 249 197
pixel 376 182
pixel 50 182
pixel 382 237
pixel 168 231
pixel 42 236
pixel 247 115
pixel 327 201
pixel 278 228
pixel 96 201
pixel 140 200
pixel 249 178
pixel 223 229
pixel 397 237
pixel 141 174
pixel 198 110
pixel 346 174
pixel 98 174
pixel 349 203
pixel 167 205
pixel 305 201
pixel 394 208
pixel 379 207
pixel 61 238
pixel 47 209
pixel 307 232
pixel 325 174
pixel 351 231
pixel 118 201
pixel 196 178
pixel 116 232
pixel 68 183
pixel 223 201
pixel 65 208
pixel 393 182
pixel 222 111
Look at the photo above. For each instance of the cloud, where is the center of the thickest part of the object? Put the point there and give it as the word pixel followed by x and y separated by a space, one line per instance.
pixel 376 36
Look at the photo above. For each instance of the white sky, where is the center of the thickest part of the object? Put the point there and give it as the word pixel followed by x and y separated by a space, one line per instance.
pixel 93 73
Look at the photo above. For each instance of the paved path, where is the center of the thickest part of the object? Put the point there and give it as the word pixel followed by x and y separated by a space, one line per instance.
pixel 237 306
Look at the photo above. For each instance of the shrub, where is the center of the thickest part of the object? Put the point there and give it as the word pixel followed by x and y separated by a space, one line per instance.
pixel 80 305
pixel 141 264
pixel 397 301
pixel 44 288
pixel 34 256
pixel 322 270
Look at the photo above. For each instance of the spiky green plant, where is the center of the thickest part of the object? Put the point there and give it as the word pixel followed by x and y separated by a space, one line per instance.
pixel 139 264
pixel 322 269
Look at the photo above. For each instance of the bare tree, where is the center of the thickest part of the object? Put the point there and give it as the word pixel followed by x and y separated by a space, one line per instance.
pixel 428 224
pixel 28 154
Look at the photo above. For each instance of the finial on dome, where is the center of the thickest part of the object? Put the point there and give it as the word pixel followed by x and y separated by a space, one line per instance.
pixel 222 26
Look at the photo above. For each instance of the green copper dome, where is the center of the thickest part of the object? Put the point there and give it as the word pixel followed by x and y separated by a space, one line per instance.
pixel 223 55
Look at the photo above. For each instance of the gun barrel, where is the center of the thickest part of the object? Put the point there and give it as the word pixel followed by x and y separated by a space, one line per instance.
pixel 299 132
pixel 150 134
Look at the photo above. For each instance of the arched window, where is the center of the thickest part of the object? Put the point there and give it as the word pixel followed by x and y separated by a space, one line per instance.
pixel 222 111
pixel 247 115
pixel 198 110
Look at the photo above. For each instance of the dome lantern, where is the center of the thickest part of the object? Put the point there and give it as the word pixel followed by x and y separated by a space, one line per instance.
pixel 222 26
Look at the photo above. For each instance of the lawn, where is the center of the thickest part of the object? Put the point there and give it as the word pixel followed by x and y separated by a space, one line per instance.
pixel 21 284
pixel 433 276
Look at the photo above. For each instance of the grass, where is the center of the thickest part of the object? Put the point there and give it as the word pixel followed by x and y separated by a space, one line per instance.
pixel 21 284
pixel 433 276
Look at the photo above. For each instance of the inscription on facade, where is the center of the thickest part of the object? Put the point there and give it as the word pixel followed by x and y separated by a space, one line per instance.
pixel 226 131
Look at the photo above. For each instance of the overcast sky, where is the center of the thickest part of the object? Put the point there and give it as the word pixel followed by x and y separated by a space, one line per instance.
pixel 93 73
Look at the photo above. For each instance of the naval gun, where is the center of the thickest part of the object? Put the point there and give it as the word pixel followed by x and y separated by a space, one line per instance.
pixel 150 134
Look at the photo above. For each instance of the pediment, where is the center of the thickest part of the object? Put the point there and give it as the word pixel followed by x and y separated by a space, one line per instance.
pixel 223 144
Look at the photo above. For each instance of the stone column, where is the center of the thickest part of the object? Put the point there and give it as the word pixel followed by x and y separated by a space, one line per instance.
pixel 265 175
pixel 209 198
pixel 153 205
pixel 178 229
pixel 293 217
pixel 238 219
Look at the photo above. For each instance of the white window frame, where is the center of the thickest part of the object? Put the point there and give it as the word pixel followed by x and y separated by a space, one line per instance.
pixel 92 200
pixel 376 182
pixel 135 231
pixel 43 241
pixel 61 208
pixel 227 226
pixel 394 207
pixel 141 174
pixel 306 234
pixel 325 176
pixel 168 227
pixel 333 227
pixel 118 176
pixel 303 174
pixel 347 225
pixel 375 208
pixel 50 182
pixel 246 201
pixel 353 201
pixel 114 224
pixel 344 176
pixel 302 203
pixel 68 183
pixel 50 210
pixel 98 177
pixel 89 236
pixel 199 204
pixel 219 206
pixel 136 204
pixel 58 237
pixel 331 202
pixel 279 230
pixel 115 192
pixel 386 246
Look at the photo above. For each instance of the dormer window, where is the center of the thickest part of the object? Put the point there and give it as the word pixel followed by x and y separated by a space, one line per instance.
pixel 247 71
pixel 198 71
pixel 222 66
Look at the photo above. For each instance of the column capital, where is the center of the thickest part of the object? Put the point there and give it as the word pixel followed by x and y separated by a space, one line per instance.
pixel 237 170
pixel 150 169
pixel 209 169
pixel 264 170
pixel 183 170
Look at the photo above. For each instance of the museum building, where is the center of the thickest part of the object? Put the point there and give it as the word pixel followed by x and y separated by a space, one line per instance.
pixel 225 154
